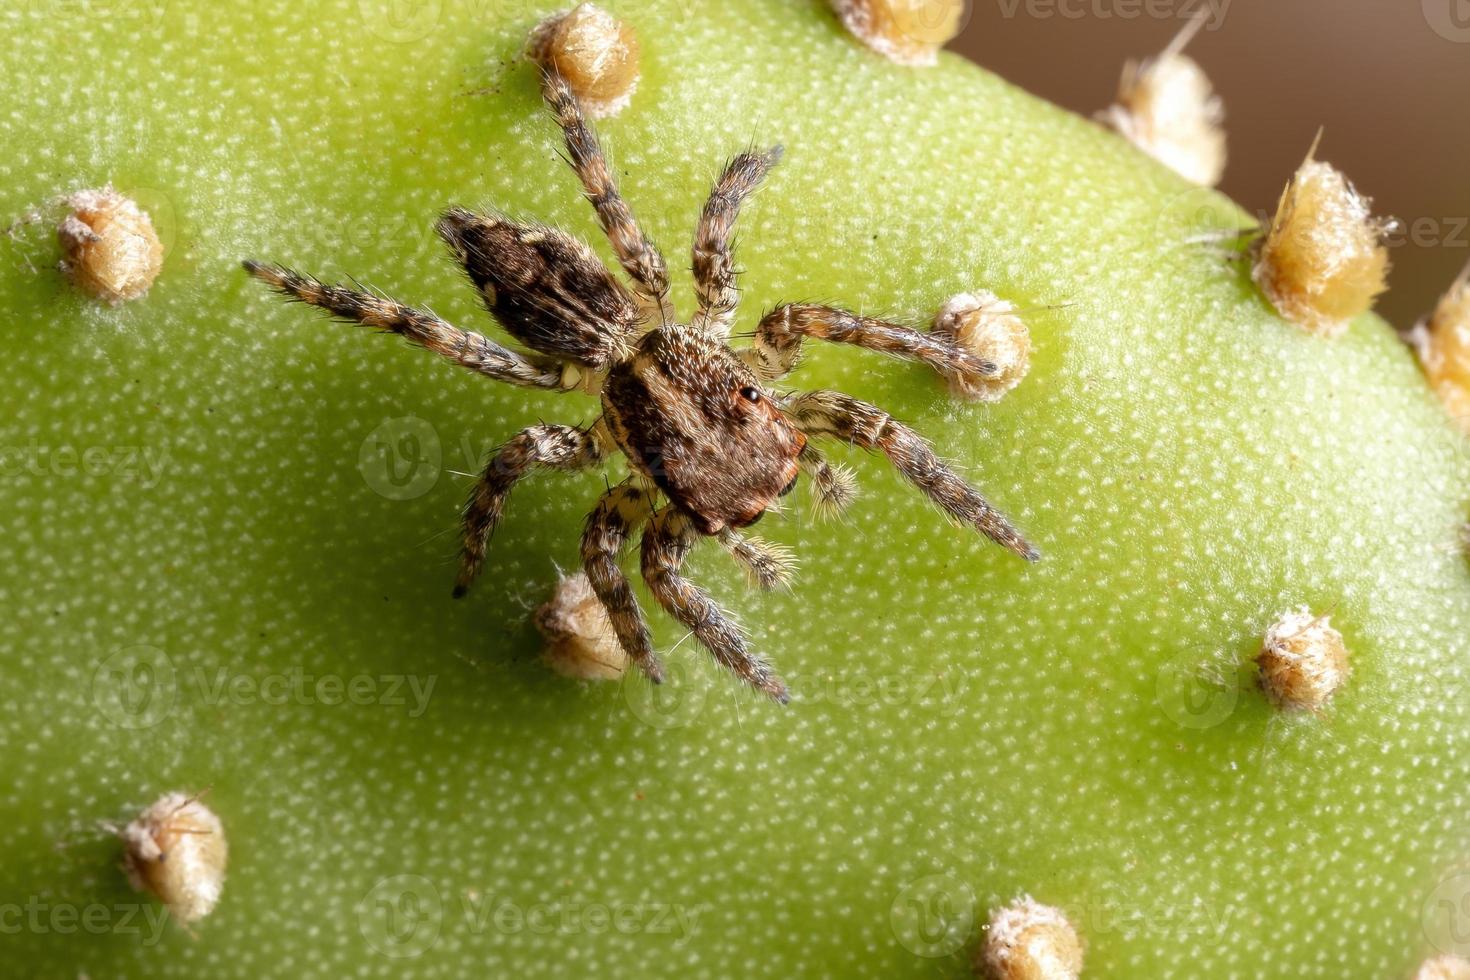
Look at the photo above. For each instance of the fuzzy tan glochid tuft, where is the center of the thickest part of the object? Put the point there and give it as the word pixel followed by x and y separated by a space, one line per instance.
pixel 1322 261
pixel 1303 661
pixel 1443 345
pixel 595 52
pixel 109 247
pixel 580 642
pixel 176 849
pixel 1029 941
pixel 1168 109
pixel 909 32
pixel 1444 967
pixel 989 327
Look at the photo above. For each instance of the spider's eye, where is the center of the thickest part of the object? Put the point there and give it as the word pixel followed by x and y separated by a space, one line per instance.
pixel 750 394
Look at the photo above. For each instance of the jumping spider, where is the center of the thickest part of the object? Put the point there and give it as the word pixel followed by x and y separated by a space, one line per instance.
pixel 697 420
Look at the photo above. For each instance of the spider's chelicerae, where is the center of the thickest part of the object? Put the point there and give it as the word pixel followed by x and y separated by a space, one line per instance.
pixel 709 444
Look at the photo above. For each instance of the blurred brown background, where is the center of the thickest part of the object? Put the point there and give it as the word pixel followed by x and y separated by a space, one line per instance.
pixel 1389 79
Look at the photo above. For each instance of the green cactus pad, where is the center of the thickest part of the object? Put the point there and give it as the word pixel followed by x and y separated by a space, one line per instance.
pixel 229 534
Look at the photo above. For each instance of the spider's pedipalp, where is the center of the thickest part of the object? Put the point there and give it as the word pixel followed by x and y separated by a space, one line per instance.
pixel 839 416
pixel 770 566
pixel 833 487
pixel 464 347
pixel 554 446
pixel 547 288
pixel 713 259
pixel 666 543
pixel 638 255
pixel 779 335
pixel 617 515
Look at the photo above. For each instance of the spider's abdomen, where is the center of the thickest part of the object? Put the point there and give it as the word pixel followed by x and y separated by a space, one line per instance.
pixel 693 418
pixel 547 288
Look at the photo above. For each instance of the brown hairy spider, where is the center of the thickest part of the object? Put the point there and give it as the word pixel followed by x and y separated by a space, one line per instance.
pixel 696 420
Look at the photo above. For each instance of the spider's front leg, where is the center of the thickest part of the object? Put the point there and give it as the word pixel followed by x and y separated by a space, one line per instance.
pixel 666 543
pixel 620 512
pixel 839 416
pixel 779 335
pixel 554 446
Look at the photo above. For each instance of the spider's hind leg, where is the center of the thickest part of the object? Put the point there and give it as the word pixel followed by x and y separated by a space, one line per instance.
pixel 554 446
pixel 666 544
pixel 617 515
pixel 638 255
pixel 463 347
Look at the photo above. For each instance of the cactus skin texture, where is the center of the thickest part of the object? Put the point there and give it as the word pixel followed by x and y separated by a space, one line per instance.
pixel 964 728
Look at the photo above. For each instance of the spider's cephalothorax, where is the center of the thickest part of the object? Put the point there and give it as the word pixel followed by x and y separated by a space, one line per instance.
pixel 692 417
pixel 710 445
